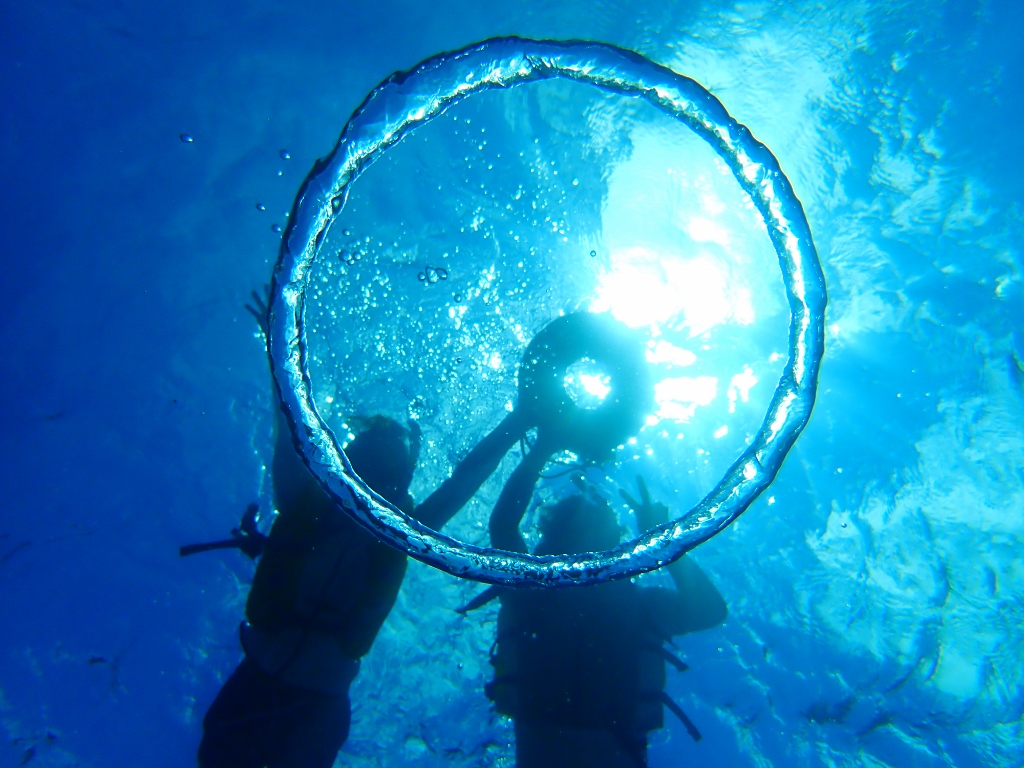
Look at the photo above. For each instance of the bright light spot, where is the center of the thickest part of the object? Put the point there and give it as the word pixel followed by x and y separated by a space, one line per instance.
pixel 707 231
pixel 585 384
pixel 711 204
pixel 771 499
pixel 773 357
pixel 721 432
pixel 643 288
pixel 670 354
pixel 740 386
pixel 678 398
pixel 596 385
pixel 495 361
pixel 686 248
pixel 652 420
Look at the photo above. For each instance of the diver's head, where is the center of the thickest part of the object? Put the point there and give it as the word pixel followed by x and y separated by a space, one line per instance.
pixel 577 524
pixel 384 455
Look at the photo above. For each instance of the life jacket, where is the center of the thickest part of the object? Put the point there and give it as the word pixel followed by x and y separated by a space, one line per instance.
pixel 584 657
pixel 321 592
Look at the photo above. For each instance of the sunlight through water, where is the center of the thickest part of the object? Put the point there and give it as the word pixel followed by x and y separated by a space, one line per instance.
pixel 676 255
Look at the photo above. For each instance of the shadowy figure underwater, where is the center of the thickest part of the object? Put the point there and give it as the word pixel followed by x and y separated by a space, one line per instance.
pixel 323 588
pixel 581 670
pixel 321 592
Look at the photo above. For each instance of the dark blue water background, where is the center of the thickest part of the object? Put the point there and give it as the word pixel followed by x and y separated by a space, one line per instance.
pixel 875 604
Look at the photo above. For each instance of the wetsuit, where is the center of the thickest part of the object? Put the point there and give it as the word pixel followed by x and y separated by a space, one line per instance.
pixel 581 670
pixel 320 595
pixel 322 590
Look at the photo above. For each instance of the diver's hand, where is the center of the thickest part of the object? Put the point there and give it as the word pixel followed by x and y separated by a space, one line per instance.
pixel 648 513
pixel 247 536
pixel 258 309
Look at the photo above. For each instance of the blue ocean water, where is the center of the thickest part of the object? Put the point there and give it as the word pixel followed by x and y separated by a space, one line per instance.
pixel 874 591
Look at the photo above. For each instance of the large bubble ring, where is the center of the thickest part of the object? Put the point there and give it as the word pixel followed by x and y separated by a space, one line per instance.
pixel 409 99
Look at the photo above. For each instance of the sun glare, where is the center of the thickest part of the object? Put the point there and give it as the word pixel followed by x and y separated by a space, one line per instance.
pixel 677 398
pixel 681 240
pixel 586 384
pixel 650 288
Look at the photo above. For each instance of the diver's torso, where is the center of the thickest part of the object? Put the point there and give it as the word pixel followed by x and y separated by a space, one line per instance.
pixel 580 657
pixel 321 571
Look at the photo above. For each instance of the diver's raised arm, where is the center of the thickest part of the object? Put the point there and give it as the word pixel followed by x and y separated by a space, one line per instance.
pixel 699 604
pixel 514 499
pixel 452 495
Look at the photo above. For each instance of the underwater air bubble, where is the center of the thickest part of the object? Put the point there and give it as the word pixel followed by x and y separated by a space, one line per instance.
pixel 260 207
pixel 407 100
pixel 431 275
pixel 185 138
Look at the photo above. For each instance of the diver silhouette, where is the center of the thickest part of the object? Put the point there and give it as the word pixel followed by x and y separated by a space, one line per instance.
pixel 581 670
pixel 321 591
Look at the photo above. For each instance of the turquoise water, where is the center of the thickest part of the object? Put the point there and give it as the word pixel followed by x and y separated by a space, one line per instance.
pixel 874 590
